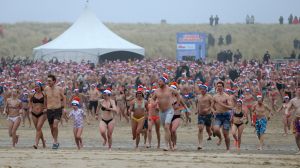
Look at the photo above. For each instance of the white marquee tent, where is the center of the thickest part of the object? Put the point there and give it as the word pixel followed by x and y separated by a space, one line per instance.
pixel 88 39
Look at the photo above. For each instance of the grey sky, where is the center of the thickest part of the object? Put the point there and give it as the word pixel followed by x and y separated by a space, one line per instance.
pixel 148 11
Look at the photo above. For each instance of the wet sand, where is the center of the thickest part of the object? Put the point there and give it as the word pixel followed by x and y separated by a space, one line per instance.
pixel 278 151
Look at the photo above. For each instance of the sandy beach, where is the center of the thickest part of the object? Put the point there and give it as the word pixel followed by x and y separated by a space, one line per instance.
pixel 278 152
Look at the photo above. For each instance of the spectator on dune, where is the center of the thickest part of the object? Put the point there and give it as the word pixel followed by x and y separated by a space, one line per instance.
pixel 237 56
pixel 290 19
pixel 228 39
pixel 211 40
pixel 221 40
pixel 211 20
pixel 295 21
pixel 266 57
pixel 296 44
pixel 293 55
pixel 45 40
pixel 1 31
pixel 216 20
pixel 281 20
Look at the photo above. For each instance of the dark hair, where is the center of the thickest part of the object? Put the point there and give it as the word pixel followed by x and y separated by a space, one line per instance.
pixel 52 77
pixel 220 82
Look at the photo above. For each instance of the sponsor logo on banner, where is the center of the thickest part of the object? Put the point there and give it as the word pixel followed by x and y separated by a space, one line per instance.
pixel 186 46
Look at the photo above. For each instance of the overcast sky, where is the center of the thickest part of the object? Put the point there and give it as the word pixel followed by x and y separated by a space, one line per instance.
pixel 148 11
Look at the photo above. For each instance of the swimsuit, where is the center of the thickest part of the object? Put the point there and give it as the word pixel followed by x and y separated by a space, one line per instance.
pixel 175 117
pixel 135 107
pixel 13 119
pixel 77 117
pixel 153 118
pixel 107 121
pixel 261 126
pixel 238 115
pixel 35 100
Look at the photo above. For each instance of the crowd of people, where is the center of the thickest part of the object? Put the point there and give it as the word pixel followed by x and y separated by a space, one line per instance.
pixel 151 93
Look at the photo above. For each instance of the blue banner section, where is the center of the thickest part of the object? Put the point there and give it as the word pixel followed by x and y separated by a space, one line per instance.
pixel 191 46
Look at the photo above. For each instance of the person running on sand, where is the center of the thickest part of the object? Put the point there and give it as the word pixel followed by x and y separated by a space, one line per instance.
pixel 37 109
pixel 78 116
pixel 263 114
pixel 153 119
pixel 25 102
pixel 204 111
pixel 162 95
pixel 138 109
pixel 94 96
pixel 286 118
pixel 54 101
pixel 178 107
pixel 221 107
pixel 238 117
pixel 107 121
pixel 13 111
pixel 295 104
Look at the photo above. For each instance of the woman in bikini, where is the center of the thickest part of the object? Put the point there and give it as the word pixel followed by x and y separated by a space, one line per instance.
pixel 107 122
pixel 175 122
pixel 238 117
pixel 37 109
pixel 13 110
pixel 286 118
pixel 138 109
pixel 153 119
pixel 120 98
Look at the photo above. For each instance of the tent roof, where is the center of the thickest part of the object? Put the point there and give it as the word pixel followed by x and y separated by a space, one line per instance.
pixel 89 33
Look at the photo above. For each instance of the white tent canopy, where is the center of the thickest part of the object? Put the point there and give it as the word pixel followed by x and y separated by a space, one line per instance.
pixel 87 39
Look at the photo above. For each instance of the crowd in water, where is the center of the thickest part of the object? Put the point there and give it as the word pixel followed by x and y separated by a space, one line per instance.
pixel 149 94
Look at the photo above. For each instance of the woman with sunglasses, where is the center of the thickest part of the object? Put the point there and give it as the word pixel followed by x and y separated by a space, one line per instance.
pixel 107 121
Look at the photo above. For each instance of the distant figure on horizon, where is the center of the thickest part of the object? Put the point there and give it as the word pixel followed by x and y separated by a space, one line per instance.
pixel 247 19
pixel 216 20
pixel 211 20
pixel 252 19
pixel 295 21
pixel 290 19
pixel 281 20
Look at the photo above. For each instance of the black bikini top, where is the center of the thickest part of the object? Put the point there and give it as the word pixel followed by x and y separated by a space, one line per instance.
pixel 105 109
pixel 239 115
pixel 36 100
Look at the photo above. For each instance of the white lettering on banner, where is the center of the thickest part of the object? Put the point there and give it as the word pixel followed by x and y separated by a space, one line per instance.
pixel 186 46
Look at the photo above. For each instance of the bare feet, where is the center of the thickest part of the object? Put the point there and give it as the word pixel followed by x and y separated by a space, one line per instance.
pixel 44 144
pixel 104 143
pixel 199 148
pixel 285 134
pixel 17 139
pixel 298 153
pixel 219 142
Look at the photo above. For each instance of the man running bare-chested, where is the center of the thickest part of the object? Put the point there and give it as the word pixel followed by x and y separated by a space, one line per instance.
pixel 53 96
pixel 163 96
pixel 221 106
pixel 295 104
pixel 204 105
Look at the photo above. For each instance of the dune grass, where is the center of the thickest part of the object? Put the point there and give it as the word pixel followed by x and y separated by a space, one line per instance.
pixel 159 40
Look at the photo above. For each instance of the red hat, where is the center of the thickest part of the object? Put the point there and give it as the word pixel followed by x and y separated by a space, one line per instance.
pixel 76 98
pixel 259 95
pixel 286 96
